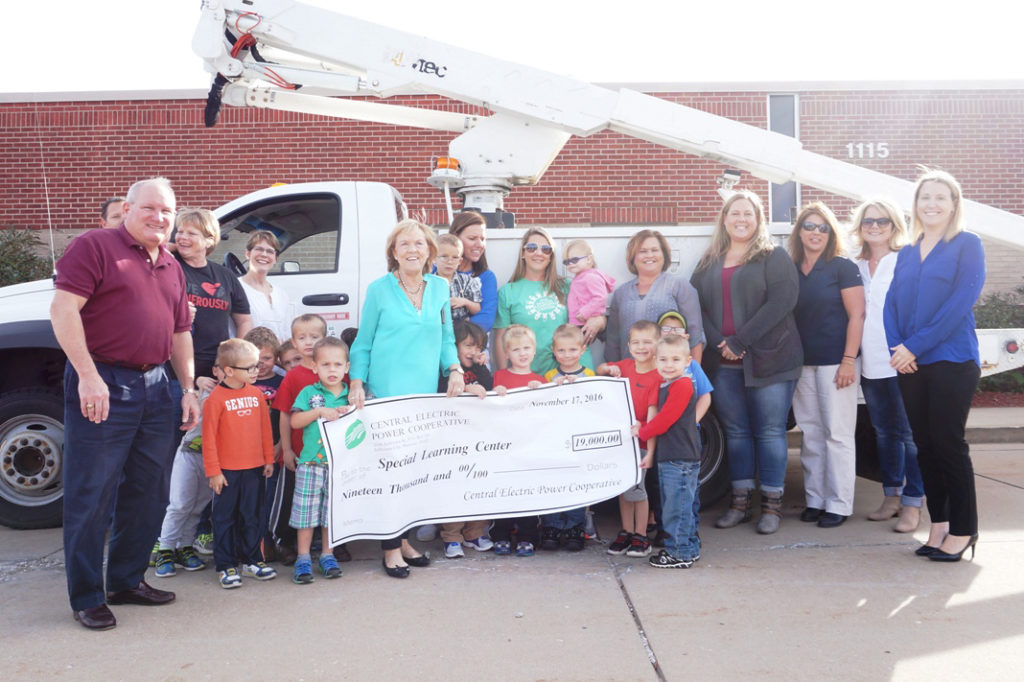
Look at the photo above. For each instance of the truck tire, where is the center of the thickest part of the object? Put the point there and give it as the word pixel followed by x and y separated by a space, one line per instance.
pixel 714 467
pixel 31 458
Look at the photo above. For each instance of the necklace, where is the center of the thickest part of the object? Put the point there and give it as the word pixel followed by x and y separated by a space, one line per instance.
pixel 411 294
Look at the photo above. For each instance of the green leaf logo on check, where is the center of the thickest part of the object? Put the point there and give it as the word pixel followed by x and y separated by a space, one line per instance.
pixel 355 434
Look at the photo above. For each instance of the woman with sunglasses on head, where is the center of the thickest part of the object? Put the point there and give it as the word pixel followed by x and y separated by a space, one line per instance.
pixel 882 232
pixel 830 318
pixel 748 288
pixel 535 296
pixel 929 325
pixel 653 291
pixel 471 229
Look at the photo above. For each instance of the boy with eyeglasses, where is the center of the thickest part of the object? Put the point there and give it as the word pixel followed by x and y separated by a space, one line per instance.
pixel 466 291
pixel 238 453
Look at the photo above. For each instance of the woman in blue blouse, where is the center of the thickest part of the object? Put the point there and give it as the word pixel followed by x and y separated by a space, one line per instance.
pixel 405 338
pixel 471 229
pixel 830 317
pixel 929 325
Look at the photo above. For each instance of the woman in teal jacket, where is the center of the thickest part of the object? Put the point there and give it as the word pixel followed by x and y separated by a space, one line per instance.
pixel 405 338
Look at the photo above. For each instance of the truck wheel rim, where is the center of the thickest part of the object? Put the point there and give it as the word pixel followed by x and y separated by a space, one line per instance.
pixel 30 455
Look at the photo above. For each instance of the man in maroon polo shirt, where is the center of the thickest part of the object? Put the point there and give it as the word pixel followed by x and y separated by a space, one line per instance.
pixel 119 313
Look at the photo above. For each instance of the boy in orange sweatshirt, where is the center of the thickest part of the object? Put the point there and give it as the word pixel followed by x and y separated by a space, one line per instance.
pixel 238 453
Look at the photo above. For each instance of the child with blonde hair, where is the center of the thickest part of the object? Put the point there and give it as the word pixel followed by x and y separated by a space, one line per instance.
pixel 590 288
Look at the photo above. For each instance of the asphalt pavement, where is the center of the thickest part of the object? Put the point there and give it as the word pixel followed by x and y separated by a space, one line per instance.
pixel 806 603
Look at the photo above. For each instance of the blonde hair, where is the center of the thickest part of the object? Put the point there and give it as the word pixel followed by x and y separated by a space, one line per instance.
pixel 836 246
pixel 449 239
pixel 674 340
pixel 309 318
pixel 233 351
pixel 897 238
pixel 583 246
pixel 956 221
pixel 405 226
pixel 202 220
pixel 263 236
pixel 330 342
pixel 517 331
pixel 760 245
pixel 555 284
pixel 569 332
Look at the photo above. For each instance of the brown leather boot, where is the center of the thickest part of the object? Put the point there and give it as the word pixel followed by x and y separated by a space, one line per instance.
pixel 910 519
pixel 771 513
pixel 738 511
pixel 890 508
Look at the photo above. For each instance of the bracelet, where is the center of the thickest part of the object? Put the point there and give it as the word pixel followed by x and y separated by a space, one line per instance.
pixel 852 357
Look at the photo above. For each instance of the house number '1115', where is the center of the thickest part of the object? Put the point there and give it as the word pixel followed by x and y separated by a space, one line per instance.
pixel 867 150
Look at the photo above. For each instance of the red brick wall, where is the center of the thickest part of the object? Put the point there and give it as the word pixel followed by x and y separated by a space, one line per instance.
pixel 95 149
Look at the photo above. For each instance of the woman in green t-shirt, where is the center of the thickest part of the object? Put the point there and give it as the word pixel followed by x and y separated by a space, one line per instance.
pixel 535 296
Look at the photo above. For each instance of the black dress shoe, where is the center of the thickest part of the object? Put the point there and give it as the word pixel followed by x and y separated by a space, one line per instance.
pixel 830 520
pixel 811 514
pixel 96 617
pixel 418 561
pixel 926 550
pixel 939 555
pixel 143 595
pixel 395 571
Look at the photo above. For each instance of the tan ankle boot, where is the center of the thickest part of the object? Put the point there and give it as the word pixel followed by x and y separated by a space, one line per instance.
pixel 910 518
pixel 738 511
pixel 890 508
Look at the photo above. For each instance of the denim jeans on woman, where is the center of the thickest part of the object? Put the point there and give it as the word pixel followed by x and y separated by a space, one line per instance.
pixel 754 421
pixel 897 452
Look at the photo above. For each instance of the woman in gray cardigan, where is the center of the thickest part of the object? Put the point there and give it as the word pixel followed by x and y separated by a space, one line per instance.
pixel 748 288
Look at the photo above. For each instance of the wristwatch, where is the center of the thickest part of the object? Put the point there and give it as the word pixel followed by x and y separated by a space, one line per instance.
pixel 186 391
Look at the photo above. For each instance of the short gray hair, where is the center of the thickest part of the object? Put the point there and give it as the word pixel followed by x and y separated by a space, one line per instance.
pixel 133 191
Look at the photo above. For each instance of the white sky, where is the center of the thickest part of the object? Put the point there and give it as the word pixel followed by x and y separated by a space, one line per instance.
pixel 90 45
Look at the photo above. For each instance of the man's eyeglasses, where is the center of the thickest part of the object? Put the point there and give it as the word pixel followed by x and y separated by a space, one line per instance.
pixel 544 248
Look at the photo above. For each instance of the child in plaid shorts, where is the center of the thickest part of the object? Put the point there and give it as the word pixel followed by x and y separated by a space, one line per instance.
pixel 326 399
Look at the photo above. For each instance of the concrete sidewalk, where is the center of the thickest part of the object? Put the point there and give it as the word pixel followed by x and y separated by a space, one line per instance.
pixel 805 603
pixel 995 425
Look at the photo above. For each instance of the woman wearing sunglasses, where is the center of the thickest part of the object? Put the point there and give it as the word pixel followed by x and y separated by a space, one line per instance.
pixel 748 288
pixel 535 296
pixel 929 325
pixel 882 232
pixel 830 317
pixel 653 291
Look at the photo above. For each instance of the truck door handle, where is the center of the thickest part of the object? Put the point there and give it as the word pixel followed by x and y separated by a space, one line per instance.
pixel 325 299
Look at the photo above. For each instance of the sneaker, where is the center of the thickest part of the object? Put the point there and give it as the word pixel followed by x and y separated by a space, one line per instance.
pixel 153 555
pixel 426 533
pixel 453 550
pixel 186 557
pixel 621 543
pixel 165 563
pixel 481 544
pixel 524 549
pixel 329 567
pixel 665 560
pixel 258 570
pixel 341 553
pixel 502 547
pixel 574 539
pixel 229 578
pixel 639 546
pixel 550 538
pixel 204 544
pixel 303 572
pixel 589 529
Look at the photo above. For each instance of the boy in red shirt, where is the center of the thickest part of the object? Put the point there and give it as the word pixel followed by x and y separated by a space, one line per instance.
pixel 642 374
pixel 238 453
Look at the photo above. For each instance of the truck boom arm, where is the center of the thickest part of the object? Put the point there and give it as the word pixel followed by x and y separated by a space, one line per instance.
pixel 288 44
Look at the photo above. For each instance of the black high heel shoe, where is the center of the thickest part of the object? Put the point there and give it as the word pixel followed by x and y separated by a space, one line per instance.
pixel 939 555
pixel 926 550
pixel 395 571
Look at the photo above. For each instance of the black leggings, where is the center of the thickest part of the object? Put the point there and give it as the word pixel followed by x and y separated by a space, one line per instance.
pixel 938 397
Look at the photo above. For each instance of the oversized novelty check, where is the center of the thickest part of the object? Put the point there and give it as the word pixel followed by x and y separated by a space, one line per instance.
pixel 402 462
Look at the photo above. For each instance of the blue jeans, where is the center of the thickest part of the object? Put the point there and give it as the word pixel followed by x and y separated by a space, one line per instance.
pixel 897 453
pixel 564 520
pixel 122 466
pixel 754 421
pixel 678 481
